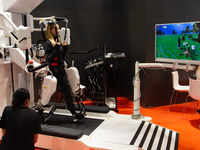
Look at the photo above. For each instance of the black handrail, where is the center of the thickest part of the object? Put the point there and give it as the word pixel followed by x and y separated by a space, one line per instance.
pixel 83 52
pixel 31 69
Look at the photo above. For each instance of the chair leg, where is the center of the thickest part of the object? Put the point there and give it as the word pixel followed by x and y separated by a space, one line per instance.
pixel 199 124
pixel 172 98
pixel 176 97
pixel 193 107
pixel 199 121
pixel 184 105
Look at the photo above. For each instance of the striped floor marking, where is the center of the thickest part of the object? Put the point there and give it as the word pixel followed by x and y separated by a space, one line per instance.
pixel 150 136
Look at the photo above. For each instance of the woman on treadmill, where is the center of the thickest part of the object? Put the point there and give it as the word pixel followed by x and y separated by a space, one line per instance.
pixel 55 52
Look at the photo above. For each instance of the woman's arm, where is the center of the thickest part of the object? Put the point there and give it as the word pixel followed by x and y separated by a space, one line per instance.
pixel 35 138
pixel 4 132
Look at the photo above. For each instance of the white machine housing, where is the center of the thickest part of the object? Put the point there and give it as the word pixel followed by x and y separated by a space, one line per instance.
pixel 49 84
pixel 12 60
pixel 74 79
pixel 48 89
pixel 65 35
pixel 16 6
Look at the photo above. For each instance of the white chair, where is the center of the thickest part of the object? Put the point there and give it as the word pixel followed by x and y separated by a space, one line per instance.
pixel 194 92
pixel 177 87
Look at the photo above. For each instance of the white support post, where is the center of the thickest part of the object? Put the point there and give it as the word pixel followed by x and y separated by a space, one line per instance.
pixel 136 85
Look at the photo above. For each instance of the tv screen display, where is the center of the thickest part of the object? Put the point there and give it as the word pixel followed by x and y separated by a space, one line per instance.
pixel 178 42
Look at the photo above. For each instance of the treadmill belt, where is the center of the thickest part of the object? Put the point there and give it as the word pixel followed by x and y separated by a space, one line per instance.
pixel 88 108
pixel 87 125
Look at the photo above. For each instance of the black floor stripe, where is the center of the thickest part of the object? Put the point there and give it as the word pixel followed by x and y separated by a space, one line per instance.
pixel 169 140
pixel 137 133
pixel 145 135
pixel 152 138
pixel 176 141
pixel 161 139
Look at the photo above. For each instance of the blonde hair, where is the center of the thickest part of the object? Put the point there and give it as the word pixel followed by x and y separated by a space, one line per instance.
pixel 50 36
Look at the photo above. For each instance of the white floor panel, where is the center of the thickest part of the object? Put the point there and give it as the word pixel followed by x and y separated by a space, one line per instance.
pixel 115 131
pixel 92 142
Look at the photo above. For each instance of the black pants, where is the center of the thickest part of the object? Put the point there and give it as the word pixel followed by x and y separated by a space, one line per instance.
pixel 64 87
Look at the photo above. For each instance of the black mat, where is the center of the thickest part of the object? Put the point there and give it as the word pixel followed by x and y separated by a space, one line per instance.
pixel 61 131
pixel 86 125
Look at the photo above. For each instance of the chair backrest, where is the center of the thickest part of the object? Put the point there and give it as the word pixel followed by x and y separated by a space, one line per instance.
pixel 175 79
pixel 194 89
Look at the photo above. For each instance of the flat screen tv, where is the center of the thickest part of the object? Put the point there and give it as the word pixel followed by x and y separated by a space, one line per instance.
pixel 178 42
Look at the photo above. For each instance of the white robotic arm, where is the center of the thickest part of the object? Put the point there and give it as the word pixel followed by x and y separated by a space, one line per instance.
pixel 20 35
